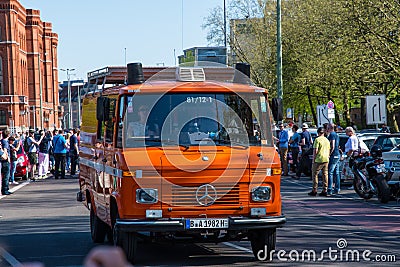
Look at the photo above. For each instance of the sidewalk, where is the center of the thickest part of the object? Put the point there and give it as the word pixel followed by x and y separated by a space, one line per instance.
pixel 22 183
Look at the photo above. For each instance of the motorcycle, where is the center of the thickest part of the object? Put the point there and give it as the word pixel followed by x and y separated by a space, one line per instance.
pixel 370 175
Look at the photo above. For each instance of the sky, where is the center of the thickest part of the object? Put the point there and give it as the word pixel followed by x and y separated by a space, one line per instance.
pixel 93 34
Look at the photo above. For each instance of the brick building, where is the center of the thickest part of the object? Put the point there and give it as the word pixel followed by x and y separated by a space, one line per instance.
pixel 28 69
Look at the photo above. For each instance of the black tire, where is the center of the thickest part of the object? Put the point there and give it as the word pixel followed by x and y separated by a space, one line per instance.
pixel 360 188
pixel 110 235
pixel 263 241
pixel 127 241
pixel 383 189
pixel 98 228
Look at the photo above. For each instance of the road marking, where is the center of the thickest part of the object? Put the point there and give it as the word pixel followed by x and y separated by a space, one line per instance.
pixel 15 188
pixel 9 258
pixel 229 244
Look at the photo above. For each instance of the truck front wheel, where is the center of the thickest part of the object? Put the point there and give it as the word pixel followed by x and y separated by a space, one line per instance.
pixel 127 241
pixel 262 243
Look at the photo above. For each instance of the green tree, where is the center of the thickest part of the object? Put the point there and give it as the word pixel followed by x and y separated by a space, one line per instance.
pixel 338 50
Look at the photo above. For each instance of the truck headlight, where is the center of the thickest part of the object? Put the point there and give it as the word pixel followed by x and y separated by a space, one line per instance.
pixel 261 193
pixel 146 195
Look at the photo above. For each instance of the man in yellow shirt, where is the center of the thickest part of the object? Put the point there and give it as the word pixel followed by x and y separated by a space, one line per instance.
pixel 321 148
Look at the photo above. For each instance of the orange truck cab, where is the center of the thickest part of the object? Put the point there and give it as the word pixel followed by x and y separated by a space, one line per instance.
pixel 180 156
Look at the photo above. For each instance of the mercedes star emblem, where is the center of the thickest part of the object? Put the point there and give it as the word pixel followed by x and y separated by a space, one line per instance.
pixel 206 195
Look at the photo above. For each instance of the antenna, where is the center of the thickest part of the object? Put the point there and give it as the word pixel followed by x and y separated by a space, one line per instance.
pixel 175 56
pixel 125 56
pixel 182 27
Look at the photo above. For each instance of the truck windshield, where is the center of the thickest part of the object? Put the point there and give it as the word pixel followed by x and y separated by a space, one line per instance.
pixel 222 119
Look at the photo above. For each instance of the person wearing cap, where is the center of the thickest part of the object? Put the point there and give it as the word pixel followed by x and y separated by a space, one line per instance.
pixel 321 150
pixel 306 140
pixel 283 145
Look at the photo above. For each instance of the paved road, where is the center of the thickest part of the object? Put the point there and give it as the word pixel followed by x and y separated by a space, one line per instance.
pixel 43 222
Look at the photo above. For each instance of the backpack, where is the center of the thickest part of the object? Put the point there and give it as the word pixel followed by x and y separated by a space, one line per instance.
pixel 26 145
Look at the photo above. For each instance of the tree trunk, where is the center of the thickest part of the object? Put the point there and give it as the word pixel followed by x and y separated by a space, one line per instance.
pixel 346 114
pixel 311 105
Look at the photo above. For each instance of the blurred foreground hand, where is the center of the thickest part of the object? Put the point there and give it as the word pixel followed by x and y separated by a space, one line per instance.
pixel 106 256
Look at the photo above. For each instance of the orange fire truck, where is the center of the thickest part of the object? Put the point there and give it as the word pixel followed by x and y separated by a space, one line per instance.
pixel 180 156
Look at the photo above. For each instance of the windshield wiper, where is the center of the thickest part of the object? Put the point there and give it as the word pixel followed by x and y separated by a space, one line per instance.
pixel 233 143
pixel 171 142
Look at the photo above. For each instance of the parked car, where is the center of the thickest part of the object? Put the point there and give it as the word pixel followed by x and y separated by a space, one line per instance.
pixel 363 141
pixel 370 137
pixel 388 142
pixel 392 160
pixel 21 171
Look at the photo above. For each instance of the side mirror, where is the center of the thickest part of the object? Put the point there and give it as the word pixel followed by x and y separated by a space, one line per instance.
pixel 103 108
pixel 100 108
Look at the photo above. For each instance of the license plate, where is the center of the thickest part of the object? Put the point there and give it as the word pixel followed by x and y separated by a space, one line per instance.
pixel 206 223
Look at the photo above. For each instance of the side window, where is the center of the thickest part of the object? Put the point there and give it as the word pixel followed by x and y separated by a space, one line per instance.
pixel 120 119
pixel 99 135
pixel 109 123
pixel 105 110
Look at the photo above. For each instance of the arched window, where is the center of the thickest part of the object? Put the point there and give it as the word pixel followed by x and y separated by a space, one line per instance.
pixel 3 118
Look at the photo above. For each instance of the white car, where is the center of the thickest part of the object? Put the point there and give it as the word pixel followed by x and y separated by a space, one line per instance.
pixel 392 160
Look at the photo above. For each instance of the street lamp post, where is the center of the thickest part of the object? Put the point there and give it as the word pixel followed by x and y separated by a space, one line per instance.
pixel 225 41
pixel 279 52
pixel 69 96
pixel 79 102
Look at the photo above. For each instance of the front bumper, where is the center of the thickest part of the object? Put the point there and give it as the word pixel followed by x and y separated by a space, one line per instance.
pixel 178 225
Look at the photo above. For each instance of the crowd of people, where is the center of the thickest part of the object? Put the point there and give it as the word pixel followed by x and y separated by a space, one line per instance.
pixel 55 152
pixel 325 153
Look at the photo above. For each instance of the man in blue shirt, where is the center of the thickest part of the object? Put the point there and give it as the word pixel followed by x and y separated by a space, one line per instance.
pixel 334 158
pixel 60 151
pixel 283 148
pixel 294 146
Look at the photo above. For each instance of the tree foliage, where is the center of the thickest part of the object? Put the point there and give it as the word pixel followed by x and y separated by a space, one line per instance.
pixel 338 50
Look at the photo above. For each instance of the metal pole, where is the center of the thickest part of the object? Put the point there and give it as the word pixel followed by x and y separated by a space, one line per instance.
pixel 69 100
pixel 225 41
pixel 40 93
pixel 69 96
pixel 279 51
pixel 79 107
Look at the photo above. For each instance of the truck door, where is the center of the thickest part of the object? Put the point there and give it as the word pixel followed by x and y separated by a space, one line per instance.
pixel 105 150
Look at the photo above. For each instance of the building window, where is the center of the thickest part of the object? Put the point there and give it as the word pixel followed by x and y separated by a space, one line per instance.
pixel 3 118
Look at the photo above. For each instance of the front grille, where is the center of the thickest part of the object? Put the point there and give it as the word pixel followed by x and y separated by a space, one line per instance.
pixel 186 196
